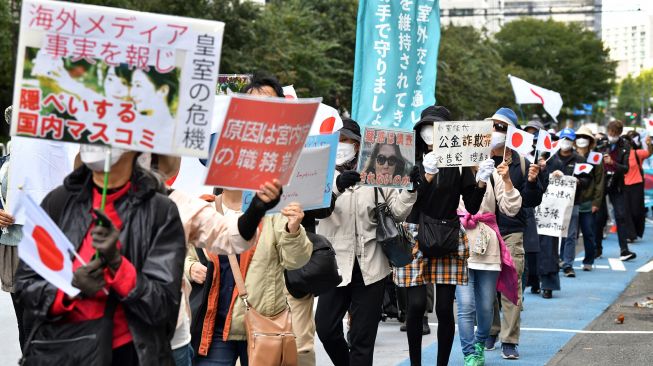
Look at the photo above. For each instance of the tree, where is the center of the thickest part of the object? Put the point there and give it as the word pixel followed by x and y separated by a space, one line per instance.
pixel 634 94
pixel 471 81
pixel 559 56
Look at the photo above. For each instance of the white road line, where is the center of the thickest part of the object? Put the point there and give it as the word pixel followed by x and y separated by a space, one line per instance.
pixel 648 267
pixel 616 264
pixel 579 331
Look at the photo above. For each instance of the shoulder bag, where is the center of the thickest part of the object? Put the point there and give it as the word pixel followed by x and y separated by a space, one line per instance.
pixel 319 275
pixel 199 300
pixel 396 242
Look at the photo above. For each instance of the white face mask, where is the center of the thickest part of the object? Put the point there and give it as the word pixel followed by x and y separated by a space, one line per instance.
pixel 582 143
pixel 346 153
pixel 93 156
pixel 498 140
pixel 566 145
pixel 613 139
pixel 426 132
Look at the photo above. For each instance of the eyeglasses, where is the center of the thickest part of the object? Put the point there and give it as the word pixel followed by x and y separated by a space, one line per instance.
pixel 382 159
pixel 500 127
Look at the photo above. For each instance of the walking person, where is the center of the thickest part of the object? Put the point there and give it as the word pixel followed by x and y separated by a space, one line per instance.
pixel 437 201
pixel 351 229
pixel 634 185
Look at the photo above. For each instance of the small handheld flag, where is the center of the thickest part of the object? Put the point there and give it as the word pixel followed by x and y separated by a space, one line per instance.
pixel 520 141
pixel 582 168
pixel 595 158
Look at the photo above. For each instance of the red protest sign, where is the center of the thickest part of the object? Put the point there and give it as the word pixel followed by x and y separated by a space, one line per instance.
pixel 261 140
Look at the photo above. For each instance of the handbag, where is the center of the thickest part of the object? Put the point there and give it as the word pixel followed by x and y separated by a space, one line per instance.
pixel 57 343
pixel 438 237
pixel 396 242
pixel 199 300
pixel 270 339
pixel 319 275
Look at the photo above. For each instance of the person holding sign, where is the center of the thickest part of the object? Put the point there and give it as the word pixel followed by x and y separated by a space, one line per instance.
pixel 351 229
pixel 527 180
pixel 134 251
pixel 564 163
pixel 591 197
pixel 439 262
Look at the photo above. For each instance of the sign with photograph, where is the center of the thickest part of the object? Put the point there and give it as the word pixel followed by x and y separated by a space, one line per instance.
pixel 387 156
pixel 554 213
pixel 462 143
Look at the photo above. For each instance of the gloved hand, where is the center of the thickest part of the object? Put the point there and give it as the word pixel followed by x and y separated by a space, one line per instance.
pixel 485 170
pixel 430 163
pixel 347 179
pixel 89 279
pixel 105 240
pixel 416 178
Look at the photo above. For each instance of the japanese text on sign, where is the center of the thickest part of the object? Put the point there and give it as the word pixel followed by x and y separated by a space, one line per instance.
pixel 554 213
pixel 459 144
pixel 387 157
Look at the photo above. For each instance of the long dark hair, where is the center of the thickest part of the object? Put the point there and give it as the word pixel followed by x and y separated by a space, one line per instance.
pixel 400 168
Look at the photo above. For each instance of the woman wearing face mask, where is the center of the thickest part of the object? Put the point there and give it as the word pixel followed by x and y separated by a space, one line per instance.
pixel 351 229
pixel 592 196
pixel 438 198
pixel 136 275
pixel 634 185
pixel 563 163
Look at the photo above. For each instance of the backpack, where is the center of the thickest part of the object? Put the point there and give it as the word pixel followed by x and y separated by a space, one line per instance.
pixel 319 275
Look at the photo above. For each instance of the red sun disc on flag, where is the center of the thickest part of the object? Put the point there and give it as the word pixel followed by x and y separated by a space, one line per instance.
pixel 327 125
pixel 583 167
pixel 547 142
pixel 650 122
pixel 596 158
pixel 50 255
pixel 517 140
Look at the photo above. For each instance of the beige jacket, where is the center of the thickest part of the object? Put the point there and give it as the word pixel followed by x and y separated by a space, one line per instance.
pixel 351 229
pixel 509 204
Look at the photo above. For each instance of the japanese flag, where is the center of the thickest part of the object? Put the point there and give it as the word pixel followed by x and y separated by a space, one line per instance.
pixel 45 248
pixel 649 125
pixel 327 119
pixel 595 158
pixel 582 168
pixel 520 141
pixel 289 92
pixel 546 144
pixel 527 93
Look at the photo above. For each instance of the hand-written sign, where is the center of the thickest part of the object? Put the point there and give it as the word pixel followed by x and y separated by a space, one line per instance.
pixel 554 213
pixel 461 143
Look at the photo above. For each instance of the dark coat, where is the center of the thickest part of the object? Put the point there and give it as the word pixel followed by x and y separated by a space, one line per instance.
pixel 152 239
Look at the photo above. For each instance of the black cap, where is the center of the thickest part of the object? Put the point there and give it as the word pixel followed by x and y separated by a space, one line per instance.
pixel 435 113
pixel 350 129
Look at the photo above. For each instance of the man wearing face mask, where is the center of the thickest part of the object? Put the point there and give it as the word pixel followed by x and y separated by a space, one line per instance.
pixel 592 197
pixel 526 179
pixel 563 163
pixel 140 246
pixel 616 167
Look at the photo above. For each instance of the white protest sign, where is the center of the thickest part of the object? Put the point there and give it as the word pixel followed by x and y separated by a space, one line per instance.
pixel 554 213
pixel 99 75
pixel 307 184
pixel 461 143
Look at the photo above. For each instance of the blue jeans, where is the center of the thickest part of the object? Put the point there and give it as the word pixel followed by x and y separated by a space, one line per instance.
pixel 183 355
pixel 568 247
pixel 476 303
pixel 224 353
pixel 586 222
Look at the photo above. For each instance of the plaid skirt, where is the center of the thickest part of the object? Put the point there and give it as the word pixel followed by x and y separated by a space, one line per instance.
pixel 449 270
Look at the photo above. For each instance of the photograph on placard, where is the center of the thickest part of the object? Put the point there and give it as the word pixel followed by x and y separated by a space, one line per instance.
pixel 387 156
pixel 232 83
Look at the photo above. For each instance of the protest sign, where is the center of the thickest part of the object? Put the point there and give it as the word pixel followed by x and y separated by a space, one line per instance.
pixel 189 178
pixel 128 79
pixel 232 83
pixel 260 140
pixel 331 141
pixel 459 144
pixel 554 213
pixel 308 182
pixel 396 61
pixel 387 156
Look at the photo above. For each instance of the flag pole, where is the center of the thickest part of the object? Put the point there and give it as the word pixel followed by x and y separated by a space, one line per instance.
pixel 105 185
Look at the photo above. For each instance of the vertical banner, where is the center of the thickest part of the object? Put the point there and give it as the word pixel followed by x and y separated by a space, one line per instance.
pixel 386 158
pixel 128 79
pixel 554 213
pixel 396 61
pixel 260 140
pixel 459 143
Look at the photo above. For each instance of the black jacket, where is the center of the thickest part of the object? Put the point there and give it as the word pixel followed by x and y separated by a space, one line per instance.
pixel 531 195
pixel 621 165
pixel 567 165
pixel 152 239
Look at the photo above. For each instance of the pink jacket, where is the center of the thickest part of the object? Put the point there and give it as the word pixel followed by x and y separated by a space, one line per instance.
pixel 507 283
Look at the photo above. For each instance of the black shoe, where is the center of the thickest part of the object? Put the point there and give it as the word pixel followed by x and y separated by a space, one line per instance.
pixel 599 253
pixel 535 290
pixel 425 326
pixel 627 255
pixel 547 294
pixel 403 327
pixel 569 272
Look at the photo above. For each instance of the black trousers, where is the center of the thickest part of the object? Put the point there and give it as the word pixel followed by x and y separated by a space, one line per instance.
pixel 18 309
pixel 364 304
pixel 402 298
pixel 618 200
pixel 600 220
pixel 635 209
pixel 125 356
